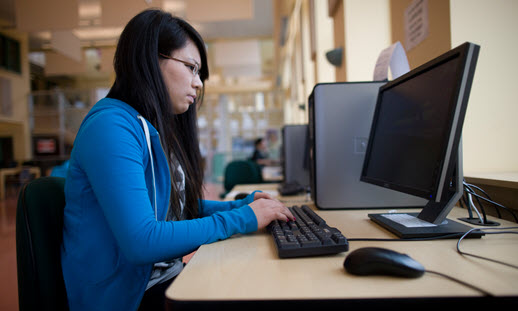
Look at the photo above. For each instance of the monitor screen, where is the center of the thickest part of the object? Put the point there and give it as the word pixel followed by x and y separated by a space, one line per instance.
pixel 45 146
pixel 412 125
pixel 414 144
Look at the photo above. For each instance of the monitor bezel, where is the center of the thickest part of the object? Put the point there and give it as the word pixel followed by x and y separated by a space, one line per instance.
pixel 467 53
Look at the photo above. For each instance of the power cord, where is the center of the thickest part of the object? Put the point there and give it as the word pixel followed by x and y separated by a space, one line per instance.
pixel 472 205
pixel 468 188
pixel 487 232
pixel 440 237
pixel 487 196
pixel 478 289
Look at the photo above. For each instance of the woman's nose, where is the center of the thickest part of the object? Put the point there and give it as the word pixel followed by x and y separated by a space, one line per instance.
pixel 196 82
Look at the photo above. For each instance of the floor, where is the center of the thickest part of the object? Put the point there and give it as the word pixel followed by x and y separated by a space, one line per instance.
pixel 8 284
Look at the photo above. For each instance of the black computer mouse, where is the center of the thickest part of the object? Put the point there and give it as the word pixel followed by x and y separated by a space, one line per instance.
pixel 241 195
pixel 382 261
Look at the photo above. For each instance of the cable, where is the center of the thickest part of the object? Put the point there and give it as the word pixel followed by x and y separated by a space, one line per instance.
pixel 445 236
pixel 489 200
pixel 464 202
pixel 487 195
pixel 467 188
pixel 482 209
pixel 485 232
pixel 497 204
pixel 485 293
pixel 478 201
pixel 480 189
pixel 472 206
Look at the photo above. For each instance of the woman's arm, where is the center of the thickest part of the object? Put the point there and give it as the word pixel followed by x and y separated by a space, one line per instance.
pixel 209 207
pixel 113 158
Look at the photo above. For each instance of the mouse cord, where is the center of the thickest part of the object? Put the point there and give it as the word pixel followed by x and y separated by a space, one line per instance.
pixel 478 289
pixel 487 232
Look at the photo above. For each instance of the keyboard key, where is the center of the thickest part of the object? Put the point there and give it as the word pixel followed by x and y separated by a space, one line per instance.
pixel 309 235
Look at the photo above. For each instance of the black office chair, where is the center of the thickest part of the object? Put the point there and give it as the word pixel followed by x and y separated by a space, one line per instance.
pixel 241 172
pixel 39 232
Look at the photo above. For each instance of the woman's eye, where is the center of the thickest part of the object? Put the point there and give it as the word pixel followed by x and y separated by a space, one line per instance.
pixel 190 67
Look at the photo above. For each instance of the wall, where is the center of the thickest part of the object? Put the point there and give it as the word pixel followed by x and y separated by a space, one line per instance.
pixel 362 28
pixel 367 33
pixel 438 40
pixel 324 71
pixel 490 129
pixel 17 125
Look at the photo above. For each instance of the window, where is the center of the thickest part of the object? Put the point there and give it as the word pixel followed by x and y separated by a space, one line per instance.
pixel 10 54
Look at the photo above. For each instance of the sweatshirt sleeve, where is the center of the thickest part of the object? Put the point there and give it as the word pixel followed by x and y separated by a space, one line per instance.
pixel 208 207
pixel 111 150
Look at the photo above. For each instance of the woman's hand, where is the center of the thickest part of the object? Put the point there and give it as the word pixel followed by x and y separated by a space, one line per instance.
pixel 262 195
pixel 267 210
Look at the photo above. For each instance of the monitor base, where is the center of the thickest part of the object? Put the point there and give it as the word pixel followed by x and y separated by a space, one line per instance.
pixel 448 229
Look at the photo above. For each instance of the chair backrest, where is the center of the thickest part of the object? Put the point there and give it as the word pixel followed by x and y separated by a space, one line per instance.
pixel 242 172
pixel 39 232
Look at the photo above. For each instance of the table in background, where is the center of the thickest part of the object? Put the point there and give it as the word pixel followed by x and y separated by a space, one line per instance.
pixel 272 173
pixel 13 171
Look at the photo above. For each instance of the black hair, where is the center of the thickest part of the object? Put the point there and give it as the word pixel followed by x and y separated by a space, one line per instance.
pixel 258 141
pixel 139 83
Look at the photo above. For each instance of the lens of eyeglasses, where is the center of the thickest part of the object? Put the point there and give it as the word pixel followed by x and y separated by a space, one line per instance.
pixel 196 70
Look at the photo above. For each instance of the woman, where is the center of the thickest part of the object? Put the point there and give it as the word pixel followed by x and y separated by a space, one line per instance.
pixel 134 184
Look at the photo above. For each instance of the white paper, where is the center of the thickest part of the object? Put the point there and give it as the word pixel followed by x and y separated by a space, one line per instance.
pixel 416 23
pixel 393 57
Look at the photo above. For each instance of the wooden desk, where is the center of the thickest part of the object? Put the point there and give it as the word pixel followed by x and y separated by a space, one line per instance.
pixel 272 173
pixel 244 271
pixel 503 179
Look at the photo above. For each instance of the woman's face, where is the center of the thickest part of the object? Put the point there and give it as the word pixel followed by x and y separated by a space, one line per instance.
pixel 181 84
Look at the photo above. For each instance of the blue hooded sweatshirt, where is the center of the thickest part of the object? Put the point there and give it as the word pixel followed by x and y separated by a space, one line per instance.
pixel 111 235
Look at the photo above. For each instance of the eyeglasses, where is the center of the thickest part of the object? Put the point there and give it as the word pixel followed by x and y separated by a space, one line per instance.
pixel 192 66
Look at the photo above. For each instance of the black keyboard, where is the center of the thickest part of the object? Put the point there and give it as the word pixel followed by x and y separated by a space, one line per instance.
pixel 308 235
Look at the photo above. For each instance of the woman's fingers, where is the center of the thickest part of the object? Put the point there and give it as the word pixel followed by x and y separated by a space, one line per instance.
pixel 267 210
pixel 263 195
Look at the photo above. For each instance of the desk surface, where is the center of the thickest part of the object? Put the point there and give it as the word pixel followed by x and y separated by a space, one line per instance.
pixel 246 267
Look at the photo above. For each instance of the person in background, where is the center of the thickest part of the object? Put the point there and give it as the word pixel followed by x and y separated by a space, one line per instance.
pixel 134 196
pixel 260 155
pixel 60 170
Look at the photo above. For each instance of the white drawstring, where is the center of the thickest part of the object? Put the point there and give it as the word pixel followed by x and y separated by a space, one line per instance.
pixel 148 139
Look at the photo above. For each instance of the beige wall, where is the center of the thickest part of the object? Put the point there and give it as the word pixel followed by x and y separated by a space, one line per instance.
pixel 490 129
pixel 17 125
pixel 367 33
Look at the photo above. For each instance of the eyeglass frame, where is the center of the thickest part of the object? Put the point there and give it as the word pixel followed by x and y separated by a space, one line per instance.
pixel 196 67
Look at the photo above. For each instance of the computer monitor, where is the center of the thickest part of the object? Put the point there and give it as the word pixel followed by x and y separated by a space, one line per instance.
pixel 45 146
pixel 415 142
pixel 295 154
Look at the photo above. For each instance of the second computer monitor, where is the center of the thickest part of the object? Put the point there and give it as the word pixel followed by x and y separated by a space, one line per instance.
pixel 414 144
pixel 295 154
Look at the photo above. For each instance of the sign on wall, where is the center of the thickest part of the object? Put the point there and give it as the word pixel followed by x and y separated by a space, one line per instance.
pixel 416 23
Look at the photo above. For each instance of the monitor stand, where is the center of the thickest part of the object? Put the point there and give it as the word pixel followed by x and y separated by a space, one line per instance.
pixel 408 226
